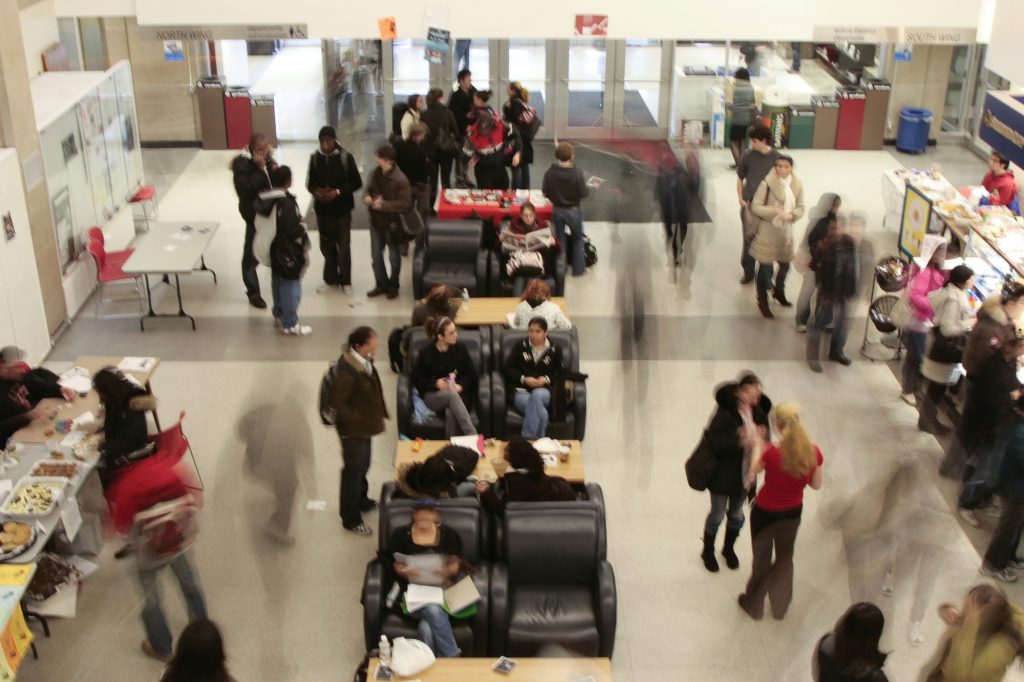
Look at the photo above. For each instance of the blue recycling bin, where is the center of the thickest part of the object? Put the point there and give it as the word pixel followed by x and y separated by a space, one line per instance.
pixel 912 136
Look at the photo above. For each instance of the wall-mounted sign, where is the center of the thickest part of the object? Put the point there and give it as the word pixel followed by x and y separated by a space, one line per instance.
pixel 225 32
pixel 937 36
pixel 1002 125
pixel 895 34
pixel 904 52
pixel 853 34
pixel 174 51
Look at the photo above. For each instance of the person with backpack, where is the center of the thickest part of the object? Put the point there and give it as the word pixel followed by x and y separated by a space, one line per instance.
pixel 251 172
pixel 444 140
pixel 152 504
pixel 565 187
pixel 332 179
pixel 388 195
pixel 836 274
pixel 523 118
pixel 288 254
pixel 490 145
pixel 357 400
pixel 460 103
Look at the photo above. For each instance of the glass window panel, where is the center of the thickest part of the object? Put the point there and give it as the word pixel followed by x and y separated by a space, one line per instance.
pixel 642 85
pixel 587 69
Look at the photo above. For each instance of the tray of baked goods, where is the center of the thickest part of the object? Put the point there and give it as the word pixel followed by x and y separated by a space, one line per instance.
pixel 34 497
pixel 53 468
pixel 15 539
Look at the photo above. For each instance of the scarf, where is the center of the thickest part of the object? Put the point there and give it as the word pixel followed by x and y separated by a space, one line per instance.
pixel 788 203
pixel 750 429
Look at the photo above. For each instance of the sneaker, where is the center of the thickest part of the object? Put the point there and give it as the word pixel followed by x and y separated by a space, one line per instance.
pixel 256 301
pixel 360 529
pixel 1007 575
pixel 909 399
pixel 148 649
pixel 887 588
pixel 916 636
pixel 376 291
pixel 1016 563
pixel 298 330
pixel 969 517
pixel 801 329
pixel 346 289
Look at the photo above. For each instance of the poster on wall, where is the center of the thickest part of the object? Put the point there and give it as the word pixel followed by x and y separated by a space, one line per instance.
pixel 591 24
pixel 436 50
pixel 8 226
pixel 174 51
pixel 64 227
pixel 388 28
pixel 90 120
pixel 917 209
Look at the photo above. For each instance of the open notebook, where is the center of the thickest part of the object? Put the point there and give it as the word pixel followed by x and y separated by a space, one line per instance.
pixel 459 596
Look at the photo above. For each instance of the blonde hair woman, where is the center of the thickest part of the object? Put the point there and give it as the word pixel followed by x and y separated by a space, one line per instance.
pixel 789 467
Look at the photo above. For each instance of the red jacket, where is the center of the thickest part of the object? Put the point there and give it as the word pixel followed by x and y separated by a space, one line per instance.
pixel 1005 183
pixel 151 481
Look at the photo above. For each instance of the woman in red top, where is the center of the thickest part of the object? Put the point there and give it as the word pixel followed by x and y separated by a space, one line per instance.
pixel 788 468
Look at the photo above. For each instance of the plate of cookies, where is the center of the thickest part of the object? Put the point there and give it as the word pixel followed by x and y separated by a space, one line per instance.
pixel 15 539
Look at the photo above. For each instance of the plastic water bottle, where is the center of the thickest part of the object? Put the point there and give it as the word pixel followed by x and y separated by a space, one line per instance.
pixel 465 299
pixel 385 652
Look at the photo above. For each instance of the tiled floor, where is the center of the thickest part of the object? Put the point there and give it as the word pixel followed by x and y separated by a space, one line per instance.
pixel 654 350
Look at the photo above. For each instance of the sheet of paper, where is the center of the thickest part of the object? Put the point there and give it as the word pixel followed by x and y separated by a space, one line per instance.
pixel 461 595
pixel 131 363
pixel 71 517
pixel 14 574
pixel 78 383
pixel 72 439
pixel 427 567
pixel 550 460
pixel 465 441
pixel 418 596
pixel 85 420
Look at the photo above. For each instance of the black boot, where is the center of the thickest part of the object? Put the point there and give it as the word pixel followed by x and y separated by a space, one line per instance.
pixel 780 296
pixel 762 305
pixel 731 560
pixel 708 555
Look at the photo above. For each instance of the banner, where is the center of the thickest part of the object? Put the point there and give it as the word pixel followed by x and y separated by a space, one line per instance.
pixel 436 50
pixel 1002 125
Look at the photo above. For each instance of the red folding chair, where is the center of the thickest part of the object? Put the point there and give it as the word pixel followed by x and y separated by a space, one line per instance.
pixel 173 444
pixel 117 258
pixel 145 198
pixel 108 275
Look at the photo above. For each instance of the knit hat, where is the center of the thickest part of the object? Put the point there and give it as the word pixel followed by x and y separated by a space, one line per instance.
pixel 327 131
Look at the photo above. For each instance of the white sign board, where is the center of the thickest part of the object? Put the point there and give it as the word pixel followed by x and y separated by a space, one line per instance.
pixel 853 34
pixel 937 36
pixel 225 32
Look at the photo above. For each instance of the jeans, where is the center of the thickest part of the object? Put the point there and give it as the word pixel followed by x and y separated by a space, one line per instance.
pixel 768 577
pixel 379 238
pixel 462 52
pixel 435 630
pixel 534 408
pixel 911 375
pixel 1003 546
pixel 153 619
pixel 826 313
pixel 354 490
pixel 803 299
pixel 249 278
pixel 456 417
pixel 335 245
pixel 287 294
pixel 717 513
pixel 764 279
pixel 746 260
pixel 521 176
pixel 571 216
pixel 981 476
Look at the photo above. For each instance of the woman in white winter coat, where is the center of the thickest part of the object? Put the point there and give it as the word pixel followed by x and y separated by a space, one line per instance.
pixel 954 318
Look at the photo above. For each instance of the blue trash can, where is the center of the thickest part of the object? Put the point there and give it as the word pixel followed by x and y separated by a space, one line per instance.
pixel 912 136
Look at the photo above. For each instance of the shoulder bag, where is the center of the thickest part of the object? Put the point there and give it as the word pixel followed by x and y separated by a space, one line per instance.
pixel 700 467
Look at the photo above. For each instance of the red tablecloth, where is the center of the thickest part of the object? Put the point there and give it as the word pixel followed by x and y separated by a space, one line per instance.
pixel 448 210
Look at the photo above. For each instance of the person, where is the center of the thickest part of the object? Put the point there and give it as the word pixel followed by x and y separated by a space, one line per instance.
pixel 751 170
pixel 927 276
pixel 443 475
pixel 22 389
pixel 251 173
pixel 428 535
pixel 490 144
pixel 412 160
pixel 358 402
pixel 789 467
pixel 677 189
pixel 288 253
pixel 525 481
pixel 462 46
pixel 439 301
pixel 460 103
pixel 199 656
pixel 565 187
pixel 440 122
pixel 836 271
pixel 530 370
pixel 1000 559
pixel 776 205
pixel 750 57
pixel 743 109
pixel 151 502
pixel 388 194
pixel 518 113
pixel 445 377
pixel 740 416
pixel 794 48
pixel 333 177
pixel 999 181
pixel 850 652
pixel 412 115
pixel 125 431
pixel 528 247
pixel 983 639
pixel 953 319
pixel 819 229
pixel 536 302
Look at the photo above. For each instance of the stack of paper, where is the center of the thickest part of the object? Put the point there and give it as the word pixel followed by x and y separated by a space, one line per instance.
pixel 459 596
pixel 418 596
pixel 135 364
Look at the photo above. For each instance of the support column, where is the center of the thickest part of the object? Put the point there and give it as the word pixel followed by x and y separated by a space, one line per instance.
pixel 18 131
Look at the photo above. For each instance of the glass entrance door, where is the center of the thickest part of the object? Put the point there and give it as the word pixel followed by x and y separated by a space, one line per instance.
pixel 530 62
pixel 643 70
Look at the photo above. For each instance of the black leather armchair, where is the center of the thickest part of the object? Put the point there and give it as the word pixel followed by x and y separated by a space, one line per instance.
pixel 507 420
pixel 464 516
pixel 552 587
pixel 452 256
pixel 478 343
pixel 593 498
pixel 554 275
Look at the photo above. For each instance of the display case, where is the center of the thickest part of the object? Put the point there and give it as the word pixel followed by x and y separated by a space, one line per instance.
pixel 994 249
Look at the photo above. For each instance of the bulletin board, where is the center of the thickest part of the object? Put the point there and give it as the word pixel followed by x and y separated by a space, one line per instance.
pixel 917 213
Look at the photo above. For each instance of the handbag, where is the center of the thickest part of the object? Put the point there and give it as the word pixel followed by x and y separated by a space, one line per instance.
pixel 948 350
pixel 407 226
pixel 446 142
pixel 901 313
pixel 700 466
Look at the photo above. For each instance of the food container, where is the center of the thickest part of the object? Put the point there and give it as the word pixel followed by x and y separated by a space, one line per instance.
pixel 21 503
pixel 53 468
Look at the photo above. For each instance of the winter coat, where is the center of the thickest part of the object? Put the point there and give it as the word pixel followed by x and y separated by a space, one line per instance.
pixel 952 317
pixel 357 399
pixel 723 436
pixel 1011 472
pixel 461 103
pixel 837 269
pixel 439 117
pixel 921 285
pixel 410 117
pixel 250 180
pixel 337 170
pixel 966 659
pixel 564 186
pixel 411 158
pixel 993 330
pixel 517 486
pixel 827 670
pixel 520 365
pixel 771 242
pixel 125 430
pixel 432 364
pixel 394 187
pixel 438 474
pixel 511 111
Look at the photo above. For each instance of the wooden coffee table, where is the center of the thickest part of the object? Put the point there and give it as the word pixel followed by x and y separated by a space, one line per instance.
pixel 526 670
pixel 572 470
pixel 485 311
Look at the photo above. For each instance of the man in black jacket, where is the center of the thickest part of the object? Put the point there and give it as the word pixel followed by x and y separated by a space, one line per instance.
pixel 332 179
pixel 461 103
pixel 251 171
pixel 836 267
pixel 411 157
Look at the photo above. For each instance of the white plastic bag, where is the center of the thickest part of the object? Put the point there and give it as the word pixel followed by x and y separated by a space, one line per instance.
pixel 410 656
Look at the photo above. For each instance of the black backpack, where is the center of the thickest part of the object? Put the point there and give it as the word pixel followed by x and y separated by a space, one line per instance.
pixel 395 348
pixel 328 416
pixel 288 257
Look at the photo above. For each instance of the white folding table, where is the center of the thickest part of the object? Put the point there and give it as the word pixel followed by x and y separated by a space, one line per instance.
pixel 171 248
